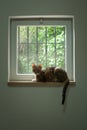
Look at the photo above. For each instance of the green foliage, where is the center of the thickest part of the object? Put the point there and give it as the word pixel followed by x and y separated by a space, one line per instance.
pixel 41 45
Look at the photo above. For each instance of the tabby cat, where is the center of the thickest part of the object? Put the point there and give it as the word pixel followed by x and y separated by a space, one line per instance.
pixel 52 74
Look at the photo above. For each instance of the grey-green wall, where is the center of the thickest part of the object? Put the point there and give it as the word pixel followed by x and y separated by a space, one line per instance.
pixel 28 108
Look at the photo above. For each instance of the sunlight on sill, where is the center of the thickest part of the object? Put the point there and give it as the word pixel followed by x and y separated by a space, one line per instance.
pixel 38 84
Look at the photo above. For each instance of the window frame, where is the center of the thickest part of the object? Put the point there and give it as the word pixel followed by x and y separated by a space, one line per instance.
pixel 26 77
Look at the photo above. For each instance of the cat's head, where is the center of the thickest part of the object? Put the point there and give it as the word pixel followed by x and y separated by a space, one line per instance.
pixel 36 68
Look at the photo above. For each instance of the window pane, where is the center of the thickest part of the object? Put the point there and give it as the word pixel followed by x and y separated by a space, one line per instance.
pixel 50 54
pixel 22 58
pixel 50 34
pixel 42 54
pixel 32 47
pixel 32 55
pixel 41 34
pixel 60 46
pixel 22 49
pixel 23 34
pixel 32 34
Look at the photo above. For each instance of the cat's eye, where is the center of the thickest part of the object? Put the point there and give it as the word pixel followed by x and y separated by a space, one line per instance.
pixel 46 40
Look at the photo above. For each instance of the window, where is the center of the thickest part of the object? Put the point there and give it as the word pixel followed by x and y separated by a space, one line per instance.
pixel 46 40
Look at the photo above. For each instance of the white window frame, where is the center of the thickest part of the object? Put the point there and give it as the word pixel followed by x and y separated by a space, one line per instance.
pixel 13 21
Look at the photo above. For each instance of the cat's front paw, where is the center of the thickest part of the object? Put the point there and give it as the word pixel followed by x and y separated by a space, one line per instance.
pixel 34 80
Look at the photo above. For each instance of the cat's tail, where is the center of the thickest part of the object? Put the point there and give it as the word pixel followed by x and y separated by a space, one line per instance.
pixel 64 91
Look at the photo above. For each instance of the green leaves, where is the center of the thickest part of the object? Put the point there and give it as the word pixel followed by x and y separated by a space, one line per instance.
pixel 40 45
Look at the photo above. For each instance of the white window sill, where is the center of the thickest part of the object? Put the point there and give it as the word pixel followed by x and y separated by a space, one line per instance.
pixel 38 84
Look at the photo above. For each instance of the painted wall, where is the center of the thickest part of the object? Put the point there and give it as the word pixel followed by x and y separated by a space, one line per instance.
pixel 28 108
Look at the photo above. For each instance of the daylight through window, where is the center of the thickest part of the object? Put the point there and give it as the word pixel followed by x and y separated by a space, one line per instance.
pixel 40 45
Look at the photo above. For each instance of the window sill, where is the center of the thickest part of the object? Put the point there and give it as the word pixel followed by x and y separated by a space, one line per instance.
pixel 38 84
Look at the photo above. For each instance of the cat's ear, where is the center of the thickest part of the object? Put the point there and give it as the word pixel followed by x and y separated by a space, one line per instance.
pixel 33 65
pixel 40 66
